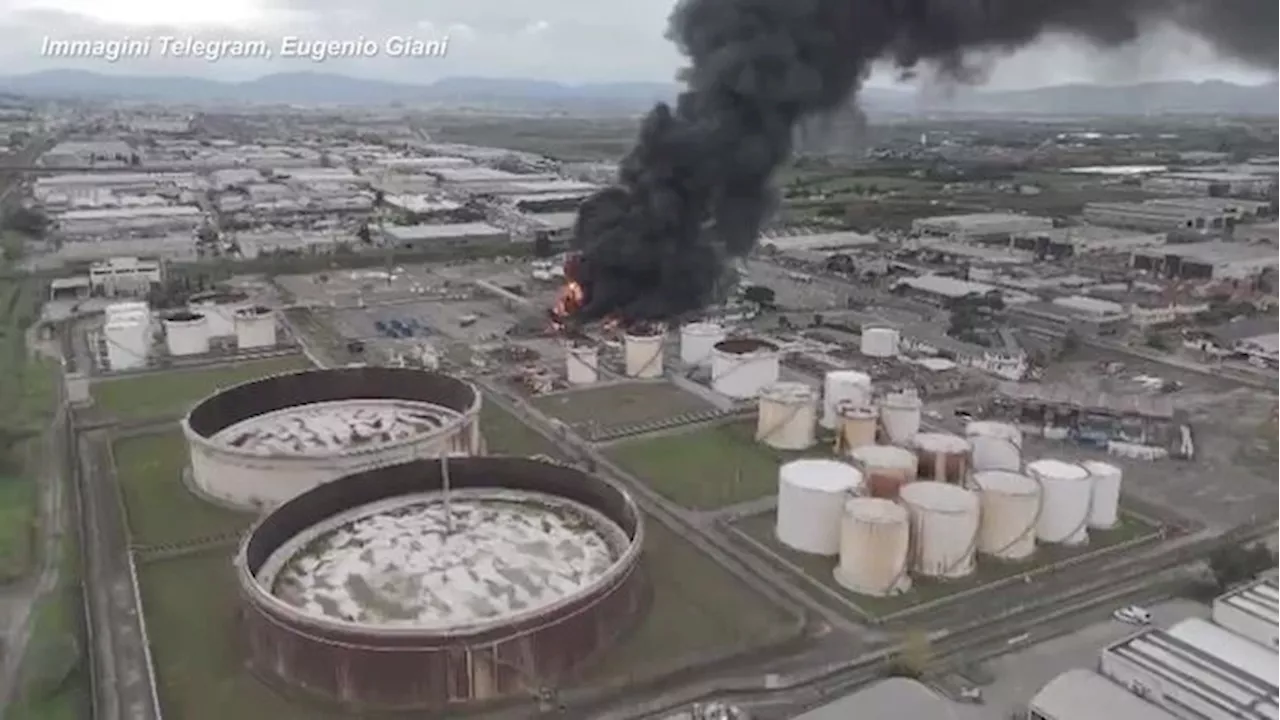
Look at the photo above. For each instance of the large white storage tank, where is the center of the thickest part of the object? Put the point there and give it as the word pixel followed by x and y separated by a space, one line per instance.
pixel 255 328
pixel 996 445
pixel 1104 506
pixel 742 367
pixel 943 457
pixel 811 498
pixel 875 544
pixel 879 342
pixel 1067 500
pixel 186 333
pixel 842 387
pixel 642 351
pixel 220 308
pixel 856 428
pixel 788 413
pixel 1010 510
pixel 128 341
pixel 582 363
pixel 885 469
pixel 697 340
pixel 944 528
pixel 900 416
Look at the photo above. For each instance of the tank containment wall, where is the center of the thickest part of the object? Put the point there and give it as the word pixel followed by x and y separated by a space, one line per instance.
pixel 1104 507
pixel 944 528
pixel 1010 510
pixel 643 355
pixel 186 334
pixel 788 411
pixel 875 543
pixel 1067 496
pixel 696 341
pixel 856 428
pixel 900 416
pixel 811 497
pixel 581 364
pixel 943 457
pixel 255 328
pixel 843 386
pixel 741 368
pixel 879 342
pixel 885 469
pixel 996 446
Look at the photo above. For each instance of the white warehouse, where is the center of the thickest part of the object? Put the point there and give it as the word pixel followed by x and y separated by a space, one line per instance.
pixel 1251 612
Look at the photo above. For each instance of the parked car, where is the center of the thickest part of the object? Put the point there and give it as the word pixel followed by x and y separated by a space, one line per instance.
pixel 1133 615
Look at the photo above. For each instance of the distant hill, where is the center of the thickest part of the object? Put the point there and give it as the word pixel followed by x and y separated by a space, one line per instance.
pixel 313 88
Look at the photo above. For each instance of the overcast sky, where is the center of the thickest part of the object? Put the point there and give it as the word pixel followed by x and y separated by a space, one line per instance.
pixel 564 40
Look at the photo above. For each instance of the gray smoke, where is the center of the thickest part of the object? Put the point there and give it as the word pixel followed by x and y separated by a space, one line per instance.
pixel 695 189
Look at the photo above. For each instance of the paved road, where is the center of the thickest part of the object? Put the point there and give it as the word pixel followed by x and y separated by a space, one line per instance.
pixel 123 686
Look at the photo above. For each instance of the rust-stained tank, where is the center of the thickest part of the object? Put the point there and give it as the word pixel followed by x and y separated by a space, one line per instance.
pixel 384 590
pixel 943 457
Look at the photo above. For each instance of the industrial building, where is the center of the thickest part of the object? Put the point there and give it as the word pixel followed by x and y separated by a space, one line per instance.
pixel 85 154
pixel 978 227
pixel 1083 240
pixel 286 242
pixel 340 602
pixel 1075 312
pixel 141 220
pixel 1213 183
pixel 1154 217
pixel 1208 261
pixel 1234 208
pixel 897 699
pixel 260 443
pixel 1086 695
pixel 453 235
pixel 790 241
pixel 1251 612
pixel 125 276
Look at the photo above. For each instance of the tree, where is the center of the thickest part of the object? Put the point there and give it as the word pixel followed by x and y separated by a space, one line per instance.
pixel 760 295
pixel 27 221
pixel 363 233
pixel 914 655
pixel 1237 563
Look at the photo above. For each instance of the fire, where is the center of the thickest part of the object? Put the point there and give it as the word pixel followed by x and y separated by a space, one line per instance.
pixel 568 300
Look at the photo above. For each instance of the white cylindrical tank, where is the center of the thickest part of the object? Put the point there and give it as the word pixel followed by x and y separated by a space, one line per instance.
pixel 788 412
pixel 186 333
pixel 220 308
pixel 1010 510
pixel 643 355
pixel 996 445
pixel 118 310
pixel 944 528
pixel 875 543
pixel 856 428
pixel 843 386
pixel 900 416
pixel 741 368
pixel 879 342
pixel 811 497
pixel 255 328
pixel 696 341
pixel 885 469
pixel 582 364
pixel 128 341
pixel 943 457
pixel 1104 507
pixel 1067 490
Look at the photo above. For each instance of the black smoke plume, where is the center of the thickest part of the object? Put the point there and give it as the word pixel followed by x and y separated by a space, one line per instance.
pixel 695 189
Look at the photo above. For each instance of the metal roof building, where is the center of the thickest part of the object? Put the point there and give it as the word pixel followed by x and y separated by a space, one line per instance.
pixel 1251 612
pixel 1228 647
pixel 894 699
pixel 1086 695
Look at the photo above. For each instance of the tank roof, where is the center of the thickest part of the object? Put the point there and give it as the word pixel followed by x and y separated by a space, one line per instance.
pixel 941 442
pixel 875 510
pixel 938 497
pixel 1058 469
pixel 184 317
pixel 821 474
pixel 1005 481
pixel 329 427
pixel 884 454
pixel 742 346
pixel 1098 467
pixel 785 391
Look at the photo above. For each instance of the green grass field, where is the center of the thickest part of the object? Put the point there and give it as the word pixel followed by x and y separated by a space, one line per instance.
pixel 505 434
pixel 159 506
pixel 167 394
pixel 762 527
pixel 707 468
pixel 19 501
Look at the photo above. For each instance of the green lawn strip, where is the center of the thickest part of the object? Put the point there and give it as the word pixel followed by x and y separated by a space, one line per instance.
pixel 165 394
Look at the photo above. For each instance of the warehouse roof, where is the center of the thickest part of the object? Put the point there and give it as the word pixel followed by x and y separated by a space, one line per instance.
pixel 1085 695
pixel 1154 406
pixel 1145 210
pixel 1230 648
pixel 1257 599
pixel 983 221
pixel 819 241
pixel 443 231
pixel 892 699
pixel 1213 252
pixel 947 286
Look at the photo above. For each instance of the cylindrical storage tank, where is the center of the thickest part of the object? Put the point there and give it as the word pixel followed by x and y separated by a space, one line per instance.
pixel 875 544
pixel 643 354
pixel 582 364
pixel 220 308
pixel 944 528
pixel 811 496
pixel 255 328
pixel 186 333
pixel 128 341
pixel 1010 510
pixel 1068 497
pixel 840 387
pixel 942 457
pixel 857 427
pixel 879 342
pixel 788 412
pixel 996 446
pixel 741 368
pixel 885 469
pixel 696 341
pixel 900 416
pixel 1104 506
